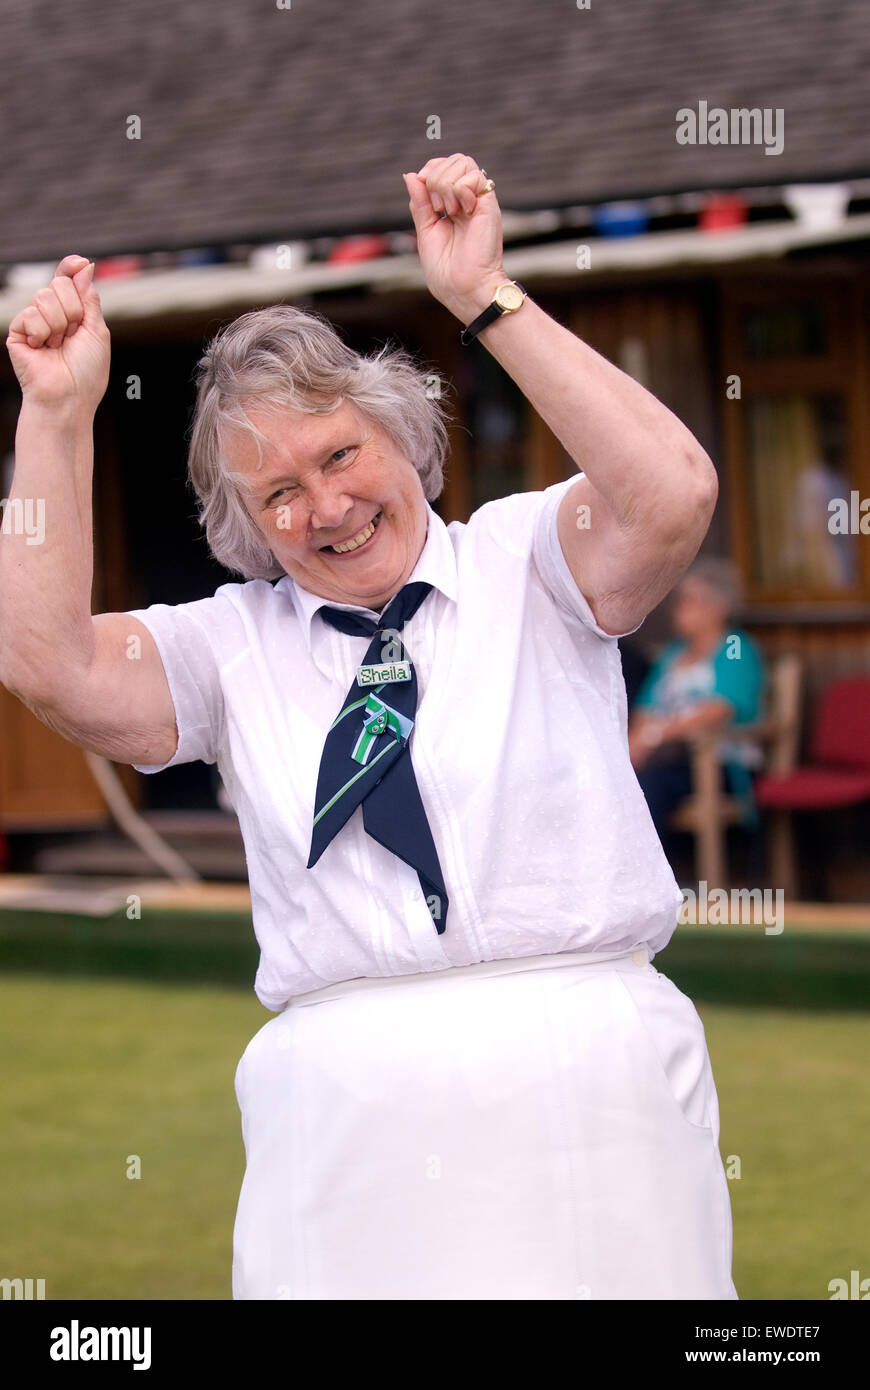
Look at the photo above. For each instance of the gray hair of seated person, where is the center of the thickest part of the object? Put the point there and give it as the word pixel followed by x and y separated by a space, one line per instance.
pixel 284 358
pixel 722 579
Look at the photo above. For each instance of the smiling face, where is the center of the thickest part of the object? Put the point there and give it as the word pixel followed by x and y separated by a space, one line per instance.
pixel 322 480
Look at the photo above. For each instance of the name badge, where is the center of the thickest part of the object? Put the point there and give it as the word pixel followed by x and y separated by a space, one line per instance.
pixel 384 673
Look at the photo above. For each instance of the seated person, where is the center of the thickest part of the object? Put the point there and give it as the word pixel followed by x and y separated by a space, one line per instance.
pixel 708 678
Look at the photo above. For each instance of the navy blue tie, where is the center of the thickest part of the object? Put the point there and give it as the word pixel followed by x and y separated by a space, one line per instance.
pixel 366 759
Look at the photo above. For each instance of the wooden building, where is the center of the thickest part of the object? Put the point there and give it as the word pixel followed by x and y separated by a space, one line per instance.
pixel 757 334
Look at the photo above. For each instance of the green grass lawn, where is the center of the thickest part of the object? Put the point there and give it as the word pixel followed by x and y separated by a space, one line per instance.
pixel 795 1107
pixel 96 1070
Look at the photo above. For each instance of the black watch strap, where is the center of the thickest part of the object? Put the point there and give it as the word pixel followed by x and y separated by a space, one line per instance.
pixel 489 315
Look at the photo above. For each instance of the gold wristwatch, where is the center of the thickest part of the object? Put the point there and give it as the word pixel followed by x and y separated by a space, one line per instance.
pixel 507 299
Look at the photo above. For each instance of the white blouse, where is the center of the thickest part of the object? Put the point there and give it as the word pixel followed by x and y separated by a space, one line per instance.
pixel 519 750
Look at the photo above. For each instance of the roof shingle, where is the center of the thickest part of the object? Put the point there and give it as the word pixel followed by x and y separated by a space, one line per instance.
pixel 263 124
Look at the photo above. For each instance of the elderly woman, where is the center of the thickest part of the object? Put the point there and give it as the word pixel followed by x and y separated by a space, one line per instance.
pixel 706 679
pixel 476 1084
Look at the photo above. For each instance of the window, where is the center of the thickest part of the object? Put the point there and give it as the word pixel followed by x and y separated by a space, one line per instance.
pixel 785 330
pixel 795 449
pixel 797 463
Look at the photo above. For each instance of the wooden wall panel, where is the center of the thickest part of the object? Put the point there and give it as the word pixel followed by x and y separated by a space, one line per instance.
pixel 45 782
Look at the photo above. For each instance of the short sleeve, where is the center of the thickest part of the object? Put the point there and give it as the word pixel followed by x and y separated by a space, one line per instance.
pixel 552 566
pixel 182 634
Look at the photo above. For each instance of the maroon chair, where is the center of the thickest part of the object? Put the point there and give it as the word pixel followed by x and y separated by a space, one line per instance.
pixel 837 775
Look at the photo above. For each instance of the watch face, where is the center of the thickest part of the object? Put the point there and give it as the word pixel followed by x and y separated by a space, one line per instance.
pixel 508 297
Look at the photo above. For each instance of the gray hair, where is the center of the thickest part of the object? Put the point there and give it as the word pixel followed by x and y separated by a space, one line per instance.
pixel 283 357
pixel 721 577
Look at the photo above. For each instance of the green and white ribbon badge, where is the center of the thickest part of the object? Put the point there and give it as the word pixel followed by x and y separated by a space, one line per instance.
pixel 379 717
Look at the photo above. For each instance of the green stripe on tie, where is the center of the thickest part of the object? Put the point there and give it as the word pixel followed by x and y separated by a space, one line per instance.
pixel 341 791
pixel 349 708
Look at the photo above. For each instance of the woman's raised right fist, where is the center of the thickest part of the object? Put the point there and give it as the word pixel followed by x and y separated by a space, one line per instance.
pixel 59 344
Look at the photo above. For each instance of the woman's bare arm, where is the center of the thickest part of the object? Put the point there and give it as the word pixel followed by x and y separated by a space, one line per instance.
pixel 649 489
pixel 73 670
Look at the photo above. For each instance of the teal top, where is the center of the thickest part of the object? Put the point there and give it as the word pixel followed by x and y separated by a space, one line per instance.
pixel 734 672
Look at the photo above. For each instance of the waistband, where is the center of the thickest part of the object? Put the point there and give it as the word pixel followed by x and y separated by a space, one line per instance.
pixel 637 957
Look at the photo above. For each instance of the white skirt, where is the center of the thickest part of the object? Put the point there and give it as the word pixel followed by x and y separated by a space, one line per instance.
pixel 538 1128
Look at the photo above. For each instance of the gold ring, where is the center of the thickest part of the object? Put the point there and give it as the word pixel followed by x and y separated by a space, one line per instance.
pixel 487 188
